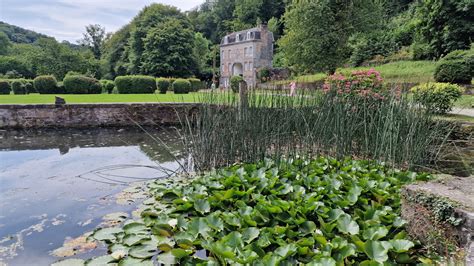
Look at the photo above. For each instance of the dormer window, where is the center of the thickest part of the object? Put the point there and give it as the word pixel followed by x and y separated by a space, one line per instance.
pixel 226 40
pixel 237 37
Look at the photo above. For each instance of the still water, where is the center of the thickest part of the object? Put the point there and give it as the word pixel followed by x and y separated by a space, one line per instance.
pixel 56 185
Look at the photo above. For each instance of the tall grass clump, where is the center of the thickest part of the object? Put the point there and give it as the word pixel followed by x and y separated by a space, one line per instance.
pixel 386 127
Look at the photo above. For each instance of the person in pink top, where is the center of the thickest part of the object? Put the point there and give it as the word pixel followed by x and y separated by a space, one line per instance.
pixel 292 88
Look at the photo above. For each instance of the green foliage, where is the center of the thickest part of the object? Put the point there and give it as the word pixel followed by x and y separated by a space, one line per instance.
pixel 94 39
pixel 367 46
pixel 168 50
pixel 201 52
pixel 444 26
pixel 4 87
pixel 135 84
pixel 437 98
pixel 264 74
pixel 299 211
pixel 46 84
pixel 234 83
pixel 11 63
pixel 21 86
pixel 181 86
pixel 107 86
pixel 20 35
pixel 76 84
pixel 163 84
pixel 196 84
pixel 456 67
pixel 326 19
pixel 4 43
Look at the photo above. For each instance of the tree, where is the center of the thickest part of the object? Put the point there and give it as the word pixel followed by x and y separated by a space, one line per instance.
pixel 167 50
pixel 201 52
pixel 316 34
pixel 4 43
pixel 94 38
pixel 445 25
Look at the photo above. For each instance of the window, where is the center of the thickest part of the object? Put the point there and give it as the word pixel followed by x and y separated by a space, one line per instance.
pixel 251 51
pixel 248 35
pixel 237 38
pixel 228 54
pixel 250 66
pixel 245 51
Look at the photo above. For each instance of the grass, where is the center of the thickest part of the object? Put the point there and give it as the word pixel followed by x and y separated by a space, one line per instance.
pixel 395 72
pixel 466 101
pixel 98 98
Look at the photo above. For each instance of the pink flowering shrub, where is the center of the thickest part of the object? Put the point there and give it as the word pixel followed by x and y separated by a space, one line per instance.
pixel 364 83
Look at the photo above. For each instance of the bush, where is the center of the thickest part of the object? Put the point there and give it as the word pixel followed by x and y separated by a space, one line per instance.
pixel 181 86
pixel 135 84
pixel 75 84
pixel 171 80
pixel 163 85
pixel 234 83
pixel 108 86
pixel 60 89
pixel 20 86
pixel 437 98
pixel 264 74
pixel 196 84
pixel 46 85
pixel 456 67
pixel 4 87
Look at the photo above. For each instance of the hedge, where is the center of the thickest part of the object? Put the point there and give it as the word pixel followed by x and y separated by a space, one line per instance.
pixel 4 87
pixel 135 84
pixel 21 86
pixel 46 85
pixel 196 84
pixel 107 86
pixel 76 84
pixel 163 84
pixel 456 67
pixel 181 86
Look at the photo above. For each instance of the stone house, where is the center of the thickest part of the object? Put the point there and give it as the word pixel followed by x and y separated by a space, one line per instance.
pixel 243 53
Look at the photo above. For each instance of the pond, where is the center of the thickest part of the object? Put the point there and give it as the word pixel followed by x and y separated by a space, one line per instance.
pixel 55 185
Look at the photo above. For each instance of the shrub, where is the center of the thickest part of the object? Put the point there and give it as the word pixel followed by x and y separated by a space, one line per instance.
pixel 367 84
pixel 163 84
pixel 234 83
pixel 456 67
pixel 437 98
pixel 171 80
pixel 135 84
pixel 181 86
pixel 75 84
pixel 108 86
pixel 4 87
pixel 60 89
pixel 46 84
pixel 264 74
pixel 20 86
pixel 196 84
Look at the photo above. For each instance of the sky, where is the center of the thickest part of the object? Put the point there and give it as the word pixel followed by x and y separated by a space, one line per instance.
pixel 66 19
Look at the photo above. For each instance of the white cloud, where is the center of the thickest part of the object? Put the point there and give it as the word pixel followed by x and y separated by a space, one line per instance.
pixel 66 19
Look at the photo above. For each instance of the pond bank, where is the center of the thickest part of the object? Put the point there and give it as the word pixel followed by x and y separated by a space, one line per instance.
pixel 91 115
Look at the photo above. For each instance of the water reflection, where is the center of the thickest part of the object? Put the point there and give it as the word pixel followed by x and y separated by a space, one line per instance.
pixel 56 184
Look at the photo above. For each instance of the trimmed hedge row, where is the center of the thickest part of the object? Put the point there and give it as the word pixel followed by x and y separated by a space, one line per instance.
pixel 456 67
pixel 135 84
pixel 4 87
pixel 181 86
pixel 76 84
pixel 22 86
pixel 47 85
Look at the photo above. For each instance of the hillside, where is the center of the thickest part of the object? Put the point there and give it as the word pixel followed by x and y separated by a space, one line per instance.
pixel 20 35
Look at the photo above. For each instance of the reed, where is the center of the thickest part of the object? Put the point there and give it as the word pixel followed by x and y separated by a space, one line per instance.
pixel 275 125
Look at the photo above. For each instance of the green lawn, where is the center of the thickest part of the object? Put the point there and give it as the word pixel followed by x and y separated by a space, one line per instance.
pixel 466 101
pixel 99 98
pixel 401 71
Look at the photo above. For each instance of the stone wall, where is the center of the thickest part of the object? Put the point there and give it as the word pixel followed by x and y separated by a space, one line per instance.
pixel 91 115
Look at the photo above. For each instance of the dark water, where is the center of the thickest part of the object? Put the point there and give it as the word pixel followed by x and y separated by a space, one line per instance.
pixel 56 184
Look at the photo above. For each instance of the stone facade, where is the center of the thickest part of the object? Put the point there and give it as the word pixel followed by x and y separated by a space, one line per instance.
pixel 243 53
pixel 92 115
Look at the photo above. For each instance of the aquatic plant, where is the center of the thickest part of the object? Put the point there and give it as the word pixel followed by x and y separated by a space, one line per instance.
pixel 272 125
pixel 320 211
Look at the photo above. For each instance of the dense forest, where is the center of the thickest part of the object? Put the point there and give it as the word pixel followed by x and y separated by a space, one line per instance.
pixel 311 36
